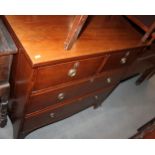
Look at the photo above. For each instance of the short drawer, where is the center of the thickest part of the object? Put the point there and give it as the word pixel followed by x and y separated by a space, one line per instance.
pixel 64 110
pixel 66 72
pixel 5 63
pixel 61 94
pixel 120 59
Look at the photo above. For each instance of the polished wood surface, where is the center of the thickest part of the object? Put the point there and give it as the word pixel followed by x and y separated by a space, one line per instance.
pixel 43 36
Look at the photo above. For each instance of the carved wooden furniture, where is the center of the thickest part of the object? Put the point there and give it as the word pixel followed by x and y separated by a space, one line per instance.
pixel 50 83
pixel 7 49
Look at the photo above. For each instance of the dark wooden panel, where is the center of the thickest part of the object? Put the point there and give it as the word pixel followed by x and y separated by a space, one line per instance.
pixel 58 74
pixel 64 110
pixel 43 36
pixel 5 64
pixel 22 80
pixel 60 94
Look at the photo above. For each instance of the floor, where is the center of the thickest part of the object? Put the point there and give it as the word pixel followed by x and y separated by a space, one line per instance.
pixel 126 109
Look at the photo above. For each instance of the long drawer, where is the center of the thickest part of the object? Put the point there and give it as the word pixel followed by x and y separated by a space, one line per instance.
pixel 65 72
pixel 61 94
pixel 65 109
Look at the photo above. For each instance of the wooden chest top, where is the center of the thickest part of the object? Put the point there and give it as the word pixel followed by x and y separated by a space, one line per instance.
pixel 43 36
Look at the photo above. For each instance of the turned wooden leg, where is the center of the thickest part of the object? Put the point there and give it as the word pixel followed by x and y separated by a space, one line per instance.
pixel 3 113
pixel 145 75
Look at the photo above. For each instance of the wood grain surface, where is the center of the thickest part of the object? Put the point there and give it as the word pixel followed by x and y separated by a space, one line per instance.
pixel 43 36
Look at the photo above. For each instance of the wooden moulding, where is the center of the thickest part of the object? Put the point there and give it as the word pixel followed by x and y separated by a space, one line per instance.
pixel 75 31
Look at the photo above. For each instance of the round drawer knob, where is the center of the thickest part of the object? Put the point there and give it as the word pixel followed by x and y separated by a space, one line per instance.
pixel 123 60
pixel 96 97
pixel 52 115
pixel 72 72
pixel 109 80
pixel 61 96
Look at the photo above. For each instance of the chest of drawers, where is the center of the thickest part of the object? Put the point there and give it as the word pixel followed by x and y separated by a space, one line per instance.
pixel 49 84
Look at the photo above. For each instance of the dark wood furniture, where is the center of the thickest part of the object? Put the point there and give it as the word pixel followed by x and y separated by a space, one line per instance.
pixel 50 82
pixel 7 49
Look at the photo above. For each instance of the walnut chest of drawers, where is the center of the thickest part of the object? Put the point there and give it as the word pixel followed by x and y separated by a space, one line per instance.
pixel 49 83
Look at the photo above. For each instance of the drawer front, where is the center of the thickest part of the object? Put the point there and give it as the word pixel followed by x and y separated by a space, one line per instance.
pixel 5 63
pixel 121 59
pixel 64 110
pixel 42 100
pixel 66 72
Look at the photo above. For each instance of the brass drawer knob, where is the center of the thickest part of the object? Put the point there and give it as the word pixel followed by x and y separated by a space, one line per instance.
pixel 61 96
pixel 123 60
pixel 96 97
pixel 52 115
pixel 72 72
pixel 109 80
